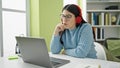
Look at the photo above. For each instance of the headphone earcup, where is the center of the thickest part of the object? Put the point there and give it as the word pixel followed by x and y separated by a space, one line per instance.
pixel 78 19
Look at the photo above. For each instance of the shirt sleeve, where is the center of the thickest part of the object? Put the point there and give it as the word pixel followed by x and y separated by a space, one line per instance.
pixel 84 44
pixel 55 44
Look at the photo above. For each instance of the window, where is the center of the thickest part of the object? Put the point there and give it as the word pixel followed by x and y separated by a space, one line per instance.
pixel 14 23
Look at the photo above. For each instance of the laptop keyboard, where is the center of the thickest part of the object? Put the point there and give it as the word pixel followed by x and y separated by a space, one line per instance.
pixel 55 61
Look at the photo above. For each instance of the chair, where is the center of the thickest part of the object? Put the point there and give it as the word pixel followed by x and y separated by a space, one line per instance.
pixel 113 47
pixel 101 54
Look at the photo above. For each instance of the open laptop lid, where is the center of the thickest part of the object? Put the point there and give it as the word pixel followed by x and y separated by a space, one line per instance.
pixel 34 50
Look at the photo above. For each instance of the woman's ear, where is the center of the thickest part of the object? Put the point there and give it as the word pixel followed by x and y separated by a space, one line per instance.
pixel 78 19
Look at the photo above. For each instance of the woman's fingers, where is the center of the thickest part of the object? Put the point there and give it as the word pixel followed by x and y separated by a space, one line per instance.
pixel 59 28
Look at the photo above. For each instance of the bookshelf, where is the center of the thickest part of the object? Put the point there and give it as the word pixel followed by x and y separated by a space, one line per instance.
pixel 104 16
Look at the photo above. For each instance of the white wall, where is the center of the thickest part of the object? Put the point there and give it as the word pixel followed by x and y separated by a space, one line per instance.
pixel 83 6
pixel 65 2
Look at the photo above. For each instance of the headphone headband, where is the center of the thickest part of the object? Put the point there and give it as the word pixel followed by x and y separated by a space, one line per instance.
pixel 78 18
pixel 80 13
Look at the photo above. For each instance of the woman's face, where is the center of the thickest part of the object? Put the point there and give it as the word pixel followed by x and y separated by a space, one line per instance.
pixel 68 19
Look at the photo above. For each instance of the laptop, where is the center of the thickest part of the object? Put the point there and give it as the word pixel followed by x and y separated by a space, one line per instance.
pixel 34 51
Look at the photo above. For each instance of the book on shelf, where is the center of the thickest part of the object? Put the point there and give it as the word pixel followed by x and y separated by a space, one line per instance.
pixel 95 21
pixel 89 18
pixel 99 34
pixel 106 19
pixel 93 18
pixel 101 19
pixel 102 33
pixel 118 20
pixel 109 19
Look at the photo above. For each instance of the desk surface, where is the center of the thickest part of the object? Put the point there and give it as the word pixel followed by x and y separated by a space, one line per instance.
pixel 74 62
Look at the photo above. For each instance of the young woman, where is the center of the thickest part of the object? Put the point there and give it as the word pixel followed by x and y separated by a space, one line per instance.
pixel 73 34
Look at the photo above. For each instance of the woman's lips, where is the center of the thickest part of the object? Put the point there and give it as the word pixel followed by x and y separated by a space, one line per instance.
pixel 65 24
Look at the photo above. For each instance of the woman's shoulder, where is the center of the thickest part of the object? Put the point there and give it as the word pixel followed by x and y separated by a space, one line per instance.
pixel 85 25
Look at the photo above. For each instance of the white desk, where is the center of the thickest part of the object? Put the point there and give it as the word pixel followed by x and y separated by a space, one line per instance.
pixel 74 62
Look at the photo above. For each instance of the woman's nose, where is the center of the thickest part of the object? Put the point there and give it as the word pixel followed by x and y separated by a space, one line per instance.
pixel 64 21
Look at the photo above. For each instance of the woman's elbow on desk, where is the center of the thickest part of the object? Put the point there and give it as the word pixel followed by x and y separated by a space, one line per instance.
pixel 74 53
pixel 55 51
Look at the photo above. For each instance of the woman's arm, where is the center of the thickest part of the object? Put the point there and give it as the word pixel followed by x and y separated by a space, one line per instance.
pixel 56 46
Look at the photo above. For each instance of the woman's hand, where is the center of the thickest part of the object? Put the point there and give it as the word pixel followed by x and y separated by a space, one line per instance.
pixel 63 52
pixel 59 28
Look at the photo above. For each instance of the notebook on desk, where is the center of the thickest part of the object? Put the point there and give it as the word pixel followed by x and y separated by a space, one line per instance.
pixel 34 51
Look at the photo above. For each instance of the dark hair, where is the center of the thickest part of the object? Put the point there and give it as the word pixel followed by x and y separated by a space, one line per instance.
pixel 76 11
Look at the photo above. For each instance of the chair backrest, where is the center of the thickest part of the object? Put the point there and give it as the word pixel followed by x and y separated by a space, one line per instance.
pixel 113 47
pixel 101 54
